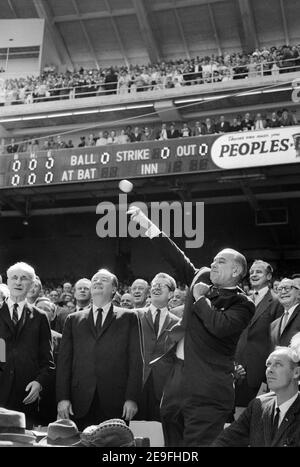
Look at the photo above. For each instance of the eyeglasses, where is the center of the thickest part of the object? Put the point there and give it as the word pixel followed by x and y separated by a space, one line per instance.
pixel 159 285
pixel 287 288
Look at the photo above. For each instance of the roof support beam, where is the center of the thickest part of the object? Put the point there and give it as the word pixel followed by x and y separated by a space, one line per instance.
pixel 85 33
pixel 180 27
pixel 117 33
pixel 12 8
pixel 249 37
pixel 214 26
pixel 146 30
pixel 43 12
pixel 284 22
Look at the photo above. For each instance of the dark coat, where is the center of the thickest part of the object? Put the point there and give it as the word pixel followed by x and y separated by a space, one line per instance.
pixel 154 348
pixel 29 354
pixel 108 361
pixel 212 330
pixel 254 344
pixel 254 426
pixel 291 328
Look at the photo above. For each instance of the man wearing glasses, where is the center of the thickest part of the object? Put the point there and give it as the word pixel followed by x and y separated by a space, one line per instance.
pixel 156 321
pixel 285 327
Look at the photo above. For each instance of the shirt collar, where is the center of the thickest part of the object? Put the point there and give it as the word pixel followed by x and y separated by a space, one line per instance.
pixel 10 304
pixel 286 405
pixel 262 292
pixel 163 311
pixel 291 310
pixel 105 308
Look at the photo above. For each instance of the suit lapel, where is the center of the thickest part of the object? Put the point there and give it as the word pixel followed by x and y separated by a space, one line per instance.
pixel 287 421
pixel 5 315
pixel 268 417
pixel 108 320
pixel 294 314
pixel 261 307
pixel 27 310
pixel 165 324
pixel 148 318
pixel 90 320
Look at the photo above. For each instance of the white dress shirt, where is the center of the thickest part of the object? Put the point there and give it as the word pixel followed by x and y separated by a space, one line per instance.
pixel 20 308
pixel 259 294
pixel 163 313
pixel 290 312
pixel 285 407
pixel 105 309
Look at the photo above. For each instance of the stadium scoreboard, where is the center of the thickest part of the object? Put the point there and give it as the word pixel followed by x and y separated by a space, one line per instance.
pixel 151 158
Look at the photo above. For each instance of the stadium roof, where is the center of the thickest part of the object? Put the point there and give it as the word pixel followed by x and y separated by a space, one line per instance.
pixel 95 33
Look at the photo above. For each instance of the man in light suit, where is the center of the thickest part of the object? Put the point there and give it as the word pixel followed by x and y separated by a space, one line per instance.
pixel 213 321
pixel 254 344
pixel 273 419
pixel 99 369
pixel 29 359
pixel 285 327
pixel 155 322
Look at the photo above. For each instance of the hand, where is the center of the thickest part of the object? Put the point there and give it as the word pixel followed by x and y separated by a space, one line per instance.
pixel 239 372
pixel 199 290
pixel 129 410
pixel 64 409
pixel 34 389
pixel 137 215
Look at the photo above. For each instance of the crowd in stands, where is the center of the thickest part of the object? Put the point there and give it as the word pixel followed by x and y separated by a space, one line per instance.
pixel 208 126
pixel 53 85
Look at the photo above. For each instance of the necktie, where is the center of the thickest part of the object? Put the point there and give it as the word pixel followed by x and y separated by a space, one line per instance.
pixel 213 292
pixel 156 321
pixel 275 423
pixel 99 319
pixel 15 317
pixel 284 320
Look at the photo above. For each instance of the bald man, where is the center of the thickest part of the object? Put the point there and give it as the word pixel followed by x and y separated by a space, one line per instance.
pixel 214 319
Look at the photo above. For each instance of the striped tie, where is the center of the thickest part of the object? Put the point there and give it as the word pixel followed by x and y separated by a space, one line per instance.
pixel 15 317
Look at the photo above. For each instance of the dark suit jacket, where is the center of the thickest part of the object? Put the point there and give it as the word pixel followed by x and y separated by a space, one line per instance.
pixel 291 328
pixel 254 426
pixel 153 348
pixel 109 361
pixel 254 344
pixel 223 128
pixel 28 353
pixel 212 330
pixel 175 134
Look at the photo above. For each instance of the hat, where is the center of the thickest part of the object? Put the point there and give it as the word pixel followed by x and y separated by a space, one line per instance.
pixel 63 432
pixel 12 428
pixel 111 433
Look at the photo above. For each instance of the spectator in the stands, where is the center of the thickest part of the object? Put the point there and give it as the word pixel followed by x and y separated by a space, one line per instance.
pixel 236 124
pixel 91 140
pixel 274 121
pixel 287 119
pixel 101 140
pixel 82 143
pixel 185 131
pixel 12 148
pixel 172 132
pixel 123 138
pixel 247 122
pixel 127 301
pixel 259 122
pixel 147 134
pixel 136 135
pixel 210 127
pixel 112 138
pixel 162 134
pixel 199 129
pixel 223 126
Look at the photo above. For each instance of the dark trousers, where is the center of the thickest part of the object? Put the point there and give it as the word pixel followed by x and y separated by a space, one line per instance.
pixel 149 403
pixel 94 416
pixel 171 408
pixel 244 393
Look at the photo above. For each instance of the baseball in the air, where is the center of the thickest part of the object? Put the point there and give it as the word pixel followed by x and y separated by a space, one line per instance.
pixel 125 186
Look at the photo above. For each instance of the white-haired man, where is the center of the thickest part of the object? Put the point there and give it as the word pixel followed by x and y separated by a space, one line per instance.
pixel 212 329
pixel 272 419
pixel 29 359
